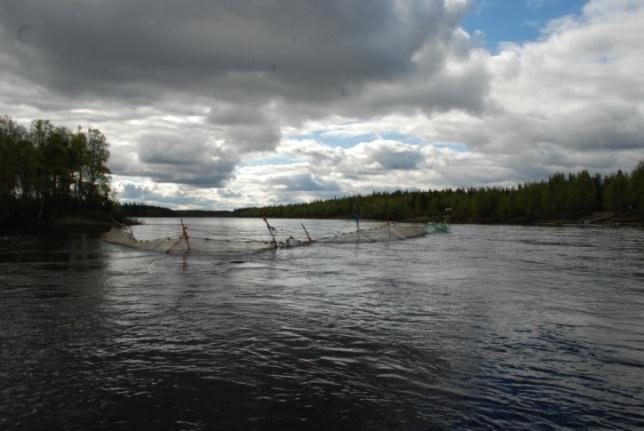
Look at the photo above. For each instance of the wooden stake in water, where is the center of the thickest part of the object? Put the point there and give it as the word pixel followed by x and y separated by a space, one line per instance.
pixel 307 233
pixel 184 233
pixel 270 230
pixel 356 217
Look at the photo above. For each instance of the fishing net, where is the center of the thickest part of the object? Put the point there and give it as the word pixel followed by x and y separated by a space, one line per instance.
pixel 386 232
pixel 229 248
pixel 183 245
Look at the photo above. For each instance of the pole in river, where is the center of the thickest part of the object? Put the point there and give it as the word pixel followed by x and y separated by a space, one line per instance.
pixel 270 230
pixel 356 217
pixel 307 233
pixel 184 233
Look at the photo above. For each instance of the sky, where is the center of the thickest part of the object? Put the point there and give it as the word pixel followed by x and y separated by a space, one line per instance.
pixel 227 104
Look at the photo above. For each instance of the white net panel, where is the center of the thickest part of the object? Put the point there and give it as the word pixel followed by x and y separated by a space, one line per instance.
pixel 386 232
pixel 211 247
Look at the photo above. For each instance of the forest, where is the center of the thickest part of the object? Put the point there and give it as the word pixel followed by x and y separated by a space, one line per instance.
pixel 562 198
pixel 47 171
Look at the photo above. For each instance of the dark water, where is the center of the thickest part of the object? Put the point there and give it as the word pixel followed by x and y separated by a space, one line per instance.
pixel 485 327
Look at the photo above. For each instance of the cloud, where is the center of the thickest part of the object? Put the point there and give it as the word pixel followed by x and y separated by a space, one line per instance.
pixel 304 182
pixel 395 155
pixel 153 194
pixel 610 126
pixel 133 192
pixel 577 89
pixel 295 50
pixel 249 129
pixel 375 164
pixel 191 158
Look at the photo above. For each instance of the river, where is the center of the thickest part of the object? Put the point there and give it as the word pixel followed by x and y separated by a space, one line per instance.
pixel 484 327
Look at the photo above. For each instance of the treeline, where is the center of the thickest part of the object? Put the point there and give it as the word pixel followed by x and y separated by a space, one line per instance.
pixel 47 170
pixel 561 197
pixel 139 209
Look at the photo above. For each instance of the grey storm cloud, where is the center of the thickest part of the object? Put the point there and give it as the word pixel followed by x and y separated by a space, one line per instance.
pixel 392 157
pixel 305 182
pixel 280 48
pixel 596 127
pixel 185 159
pixel 251 129
pixel 618 127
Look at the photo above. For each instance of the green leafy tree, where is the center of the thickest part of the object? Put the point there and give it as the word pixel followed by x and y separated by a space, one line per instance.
pixel 97 172
pixel 78 155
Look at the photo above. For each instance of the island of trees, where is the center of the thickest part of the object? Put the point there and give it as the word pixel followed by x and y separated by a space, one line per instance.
pixel 49 172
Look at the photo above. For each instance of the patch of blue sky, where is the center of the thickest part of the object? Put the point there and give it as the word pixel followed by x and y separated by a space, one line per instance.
pixel 272 161
pixel 402 137
pixel 516 20
pixel 335 140
pixel 455 146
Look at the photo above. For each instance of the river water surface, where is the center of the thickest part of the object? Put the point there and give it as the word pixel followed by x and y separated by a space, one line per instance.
pixel 484 327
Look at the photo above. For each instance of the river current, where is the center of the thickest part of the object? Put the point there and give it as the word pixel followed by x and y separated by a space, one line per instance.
pixel 486 327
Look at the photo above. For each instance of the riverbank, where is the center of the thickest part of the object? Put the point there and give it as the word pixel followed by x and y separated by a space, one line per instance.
pixel 594 219
pixel 75 219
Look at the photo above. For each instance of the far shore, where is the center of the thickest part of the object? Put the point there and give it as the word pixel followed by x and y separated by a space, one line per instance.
pixel 99 220
pixel 91 222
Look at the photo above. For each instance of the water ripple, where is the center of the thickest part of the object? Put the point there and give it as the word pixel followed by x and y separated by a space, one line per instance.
pixel 488 327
